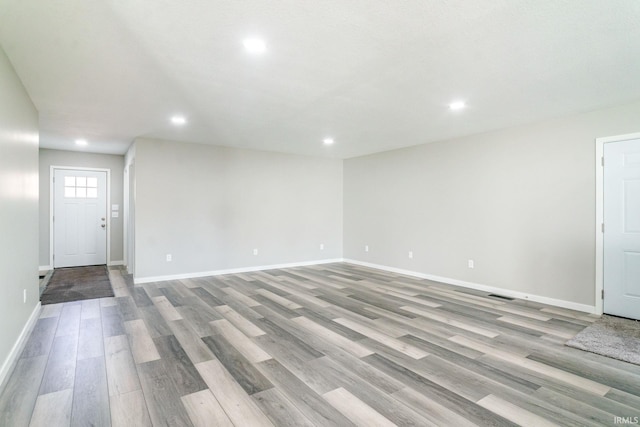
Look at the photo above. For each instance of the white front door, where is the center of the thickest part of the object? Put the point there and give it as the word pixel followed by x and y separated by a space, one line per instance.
pixel 80 218
pixel 622 228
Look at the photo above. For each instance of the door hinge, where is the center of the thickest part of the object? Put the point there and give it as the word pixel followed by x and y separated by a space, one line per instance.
pixel 54 256
pixel 602 160
pixel 602 294
pixel 602 227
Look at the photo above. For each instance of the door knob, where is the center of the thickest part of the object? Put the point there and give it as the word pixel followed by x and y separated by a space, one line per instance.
pixel 103 225
pixel 102 219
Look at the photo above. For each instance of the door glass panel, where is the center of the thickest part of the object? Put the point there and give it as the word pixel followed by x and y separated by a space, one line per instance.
pixel 81 187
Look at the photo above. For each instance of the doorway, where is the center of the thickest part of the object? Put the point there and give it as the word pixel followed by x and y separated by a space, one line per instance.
pixel 79 220
pixel 619 208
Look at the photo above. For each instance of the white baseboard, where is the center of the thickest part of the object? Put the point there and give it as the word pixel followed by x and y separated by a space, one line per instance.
pixel 139 280
pixel 500 291
pixel 477 286
pixel 18 346
pixel 121 262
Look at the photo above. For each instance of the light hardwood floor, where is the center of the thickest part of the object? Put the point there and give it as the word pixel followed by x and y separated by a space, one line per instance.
pixel 333 345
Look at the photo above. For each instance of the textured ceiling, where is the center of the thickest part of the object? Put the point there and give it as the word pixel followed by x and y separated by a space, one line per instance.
pixel 375 75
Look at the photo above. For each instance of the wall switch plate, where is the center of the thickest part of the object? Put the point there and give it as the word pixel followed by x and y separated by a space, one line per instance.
pixel 169 258
pixel 410 254
pixel 255 251
pixel 471 263
pixel 322 246
pixel 366 248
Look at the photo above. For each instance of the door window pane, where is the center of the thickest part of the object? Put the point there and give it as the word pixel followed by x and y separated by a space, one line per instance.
pixel 81 187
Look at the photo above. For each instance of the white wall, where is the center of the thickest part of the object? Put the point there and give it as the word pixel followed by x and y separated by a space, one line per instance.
pixel 209 207
pixel 78 159
pixel 520 202
pixel 18 211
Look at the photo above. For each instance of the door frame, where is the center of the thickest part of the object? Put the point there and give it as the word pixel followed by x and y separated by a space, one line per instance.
pixel 52 170
pixel 599 161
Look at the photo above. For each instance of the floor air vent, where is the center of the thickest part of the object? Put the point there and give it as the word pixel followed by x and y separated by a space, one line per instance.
pixel 501 297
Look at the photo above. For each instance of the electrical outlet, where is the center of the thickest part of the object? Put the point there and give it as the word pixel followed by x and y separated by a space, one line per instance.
pixel 470 263
pixel 24 296
pixel 255 251
pixel 322 246
pixel 366 248
pixel 169 258
pixel 410 254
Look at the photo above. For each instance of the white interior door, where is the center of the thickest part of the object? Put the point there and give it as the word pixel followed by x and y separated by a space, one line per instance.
pixel 80 218
pixel 622 228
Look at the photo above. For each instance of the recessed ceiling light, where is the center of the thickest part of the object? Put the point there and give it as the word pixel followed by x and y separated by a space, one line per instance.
pixel 254 45
pixel 178 120
pixel 81 142
pixel 328 141
pixel 457 105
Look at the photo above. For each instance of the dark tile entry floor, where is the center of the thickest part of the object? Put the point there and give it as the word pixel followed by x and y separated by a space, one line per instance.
pixel 77 283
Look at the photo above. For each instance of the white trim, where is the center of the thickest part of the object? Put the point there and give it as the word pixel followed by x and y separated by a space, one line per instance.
pixel 506 292
pixel 51 197
pixel 139 280
pixel 44 268
pixel 598 225
pixel 18 346
pixel 125 213
pixel 599 285
pixel 121 262
pixel 129 222
pixel 501 291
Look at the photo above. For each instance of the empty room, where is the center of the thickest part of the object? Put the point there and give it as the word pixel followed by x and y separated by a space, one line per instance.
pixel 336 213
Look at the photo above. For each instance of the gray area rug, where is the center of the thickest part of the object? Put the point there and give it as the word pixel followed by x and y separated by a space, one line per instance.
pixel 77 283
pixel 611 336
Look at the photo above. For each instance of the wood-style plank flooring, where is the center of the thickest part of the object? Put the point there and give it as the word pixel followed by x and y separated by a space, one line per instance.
pixel 328 345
